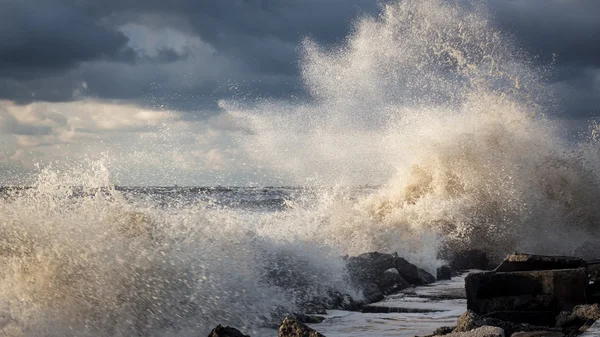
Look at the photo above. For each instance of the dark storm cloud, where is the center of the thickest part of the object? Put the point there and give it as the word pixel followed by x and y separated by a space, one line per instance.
pixel 569 29
pixel 49 48
pixel 40 37
pixel 567 32
pixel 58 40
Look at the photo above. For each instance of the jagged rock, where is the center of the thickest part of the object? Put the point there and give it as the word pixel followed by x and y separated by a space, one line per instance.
pixel 578 316
pixel 444 273
pixel 290 327
pixel 409 271
pixel 391 281
pixel 425 277
pixel 538 334
pixel 388 272
pixel 483 331
pixel 527 262
pixel 469 259
pixel 466 322
pixel 226 331
pixel 372 293
pixel 545 290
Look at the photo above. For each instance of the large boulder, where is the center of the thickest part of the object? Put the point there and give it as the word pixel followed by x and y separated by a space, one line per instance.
pixel 425 277
pixel 226 331
pixel 444 273
pixel 544 290
pixel 528 262
pixel 379 274
pixel 290 327
pixel 391 281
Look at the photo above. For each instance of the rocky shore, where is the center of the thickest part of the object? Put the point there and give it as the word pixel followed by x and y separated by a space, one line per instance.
pixel 524 296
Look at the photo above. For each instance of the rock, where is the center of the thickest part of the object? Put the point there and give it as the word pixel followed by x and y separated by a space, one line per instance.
pixel 527 262
pixel 538 334
pixel 578 316
pixel 469 259
pixel 425 277
pixel 372 293
pixel 443 331
pixel 290 327
pixel 545 290
pixel 466 322
pixel 391 281
pixel 388 272
pixel 469 320
pixel 593 330
pixel 409 271
pixel 541 318
pixel 333 300
pixel 484 331
pixel 587 325
pixel 587 311
pixel 444 273
pixel 227 331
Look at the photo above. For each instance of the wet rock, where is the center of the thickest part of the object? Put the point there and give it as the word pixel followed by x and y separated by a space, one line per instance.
pixel 409 271
pixel 578 316
pixel 444 273
pixel 290 327
pixel 372 293
pixel 538 334
pixel 388 272
pixel 425 277
pixel 483 331
pixel 593 330
pixel 528 262
pixel 443 331
pixel 466 322
pixel 226 331
pixel 469 259
pixel 541 318
pixel 469 321
pixel 391 281
pixel 545 290
pixel 333 300
pixel 587 326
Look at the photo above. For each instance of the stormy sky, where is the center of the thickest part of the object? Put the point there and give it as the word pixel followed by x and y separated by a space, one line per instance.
pixel 143 77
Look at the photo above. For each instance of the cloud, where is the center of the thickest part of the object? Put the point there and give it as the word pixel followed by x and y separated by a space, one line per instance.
pixel 139 143
pixel 545 27
pixel 41 38
pixel 192 51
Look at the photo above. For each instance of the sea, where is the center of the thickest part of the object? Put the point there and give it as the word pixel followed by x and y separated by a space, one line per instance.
pixel 427 130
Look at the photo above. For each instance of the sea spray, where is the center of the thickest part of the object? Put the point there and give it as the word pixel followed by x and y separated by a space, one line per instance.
pixel 79 258
pixel 447 113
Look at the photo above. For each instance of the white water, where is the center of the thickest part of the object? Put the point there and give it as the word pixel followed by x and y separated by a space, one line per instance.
pixel 428 99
